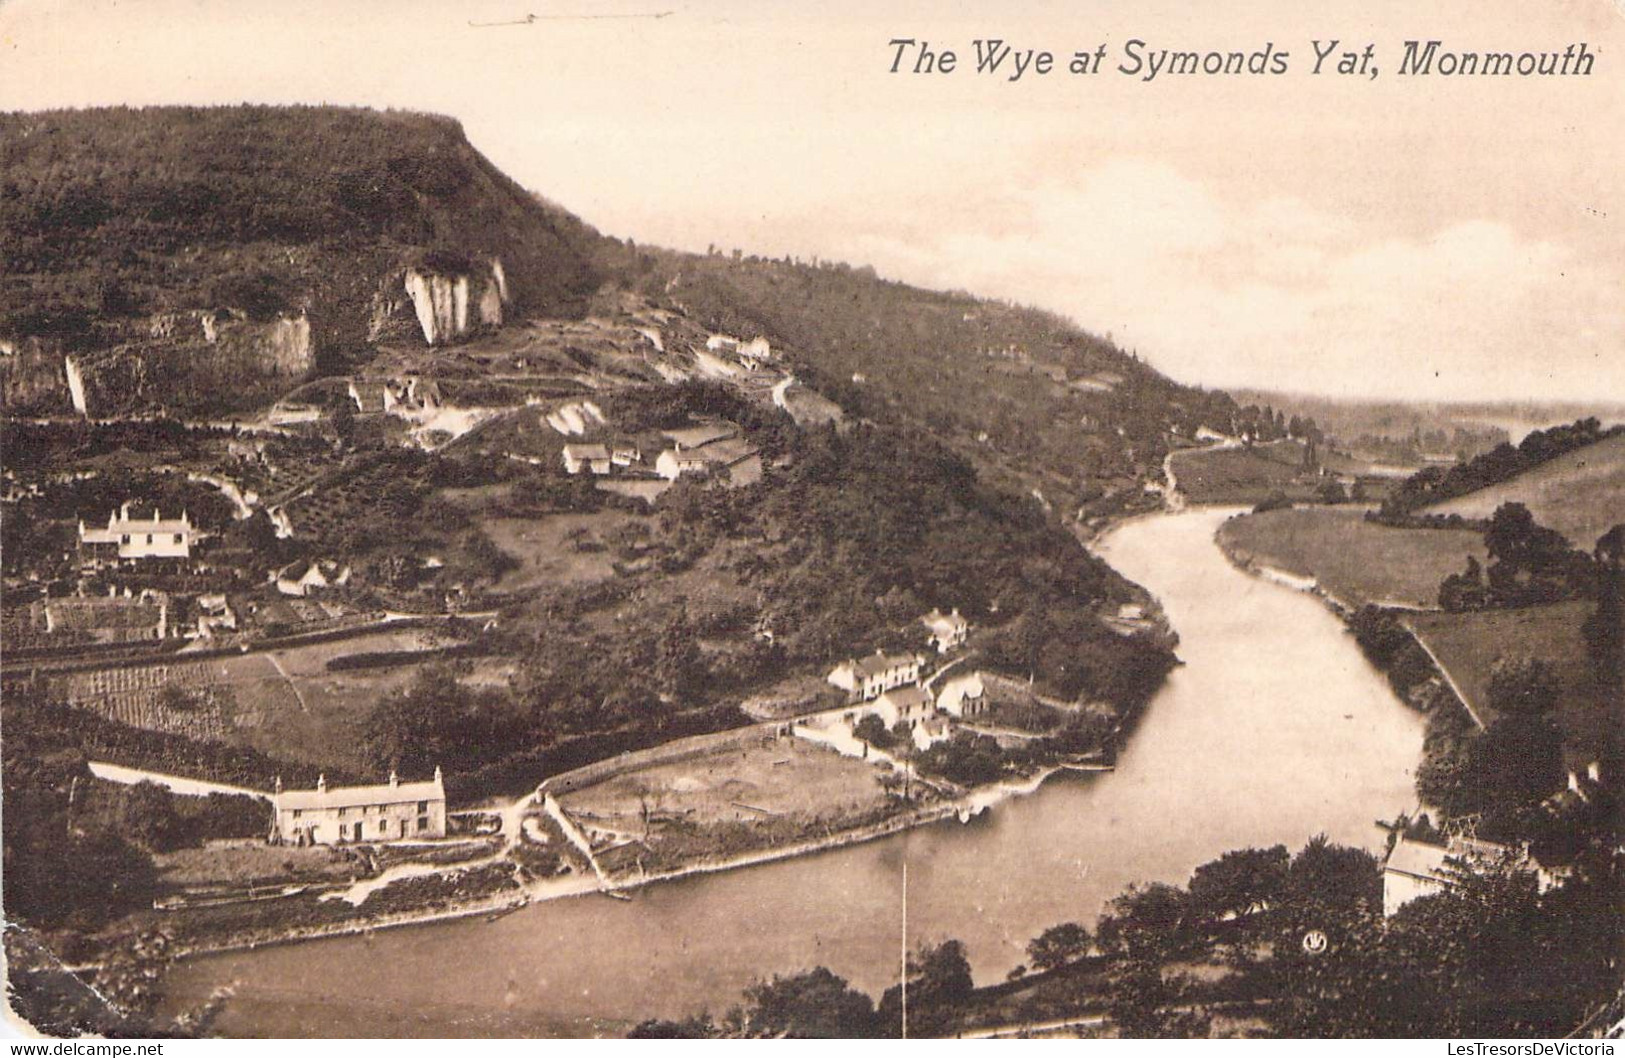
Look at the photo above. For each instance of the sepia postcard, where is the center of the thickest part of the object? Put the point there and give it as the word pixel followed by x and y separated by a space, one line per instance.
pixel 732 519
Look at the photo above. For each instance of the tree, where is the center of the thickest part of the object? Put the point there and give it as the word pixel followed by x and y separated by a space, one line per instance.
pixel 679 668
pixel 1140 997
pixel 1059 945
pixel 1334 875
pixel 1604 630
pixel 1238 882
pixel 816 1004
pixel 1522 686
pixel 147 817
pixel 939 981
pixel 344 421
pixel 871 729
pixel 1143 922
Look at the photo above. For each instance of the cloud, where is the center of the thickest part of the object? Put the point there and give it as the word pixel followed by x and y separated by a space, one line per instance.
pixel 1272 292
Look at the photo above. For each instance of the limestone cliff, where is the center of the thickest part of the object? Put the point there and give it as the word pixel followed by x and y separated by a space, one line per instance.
pixel 220 358
pixel 33 379
pixel 442 300
pixel 354 227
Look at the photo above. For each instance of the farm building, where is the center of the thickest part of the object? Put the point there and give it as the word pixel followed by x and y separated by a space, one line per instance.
pixel 730 459
pixel 131 536
pixel 594 458
pixel 302 578
pixel 390 811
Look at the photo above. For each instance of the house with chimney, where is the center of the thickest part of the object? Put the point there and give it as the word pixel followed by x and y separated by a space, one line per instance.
pixel 134 536
pixel 865 679
pixel 348 815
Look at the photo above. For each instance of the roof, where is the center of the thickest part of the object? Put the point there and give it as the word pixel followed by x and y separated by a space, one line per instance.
pixel 1418 859
pixel 875 664
pixel 726 451
pixel 908 696
pixel 586 452
pixel 936 619
pixel 352 796
pixel 1421 859
pixel 695 436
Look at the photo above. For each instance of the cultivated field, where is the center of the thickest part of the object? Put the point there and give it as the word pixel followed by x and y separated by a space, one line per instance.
pixel 1469 644
pixel 1354 559
pixel 282 702
pixel 1581 495
pixel 785 777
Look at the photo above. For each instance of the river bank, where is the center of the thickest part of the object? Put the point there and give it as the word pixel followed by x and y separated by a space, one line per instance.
pixel 586 883
pixel 1309 740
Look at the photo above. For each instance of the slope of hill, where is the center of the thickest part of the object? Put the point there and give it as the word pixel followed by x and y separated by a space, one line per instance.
pixel 201 259
pixel 1581 494
pixel 1028 396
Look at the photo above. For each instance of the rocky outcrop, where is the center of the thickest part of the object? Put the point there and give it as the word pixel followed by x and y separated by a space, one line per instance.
pixel 223 355
pixel 33 377
pixel 442 300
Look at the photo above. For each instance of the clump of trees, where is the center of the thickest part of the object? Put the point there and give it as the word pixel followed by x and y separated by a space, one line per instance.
pixel 1432 485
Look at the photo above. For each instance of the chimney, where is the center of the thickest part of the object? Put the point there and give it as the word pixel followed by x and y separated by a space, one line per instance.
pixel 437 779
pixel 394 780
pixel 321 783
pixel 278 787
pixel 1594 771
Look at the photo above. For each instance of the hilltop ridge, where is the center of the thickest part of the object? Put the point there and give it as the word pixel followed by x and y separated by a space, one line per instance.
pixel 202 259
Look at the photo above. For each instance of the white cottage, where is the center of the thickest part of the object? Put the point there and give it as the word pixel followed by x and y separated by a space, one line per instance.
pixel 865 679
pixel 134 537
pixel 392 811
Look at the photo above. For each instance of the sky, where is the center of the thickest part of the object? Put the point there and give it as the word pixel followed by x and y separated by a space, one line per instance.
pixel 1396 236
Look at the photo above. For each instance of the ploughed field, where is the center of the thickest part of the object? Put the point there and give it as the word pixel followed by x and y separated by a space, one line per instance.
pixel 1356 560
pixel 1468 645
pixel 285 702
pixel 1581 494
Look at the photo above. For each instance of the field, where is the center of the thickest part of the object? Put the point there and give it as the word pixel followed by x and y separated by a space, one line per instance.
pixel 1353 559
pixel 284 703
pixel 1581 495
pixel 1468 645
pixel 785 777
pixel 1243 475
pixel 559 550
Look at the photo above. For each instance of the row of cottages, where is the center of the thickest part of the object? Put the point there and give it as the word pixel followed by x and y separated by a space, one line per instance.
pixel 133 536
pixel 865 679
pixel 392 811
pixel 599 459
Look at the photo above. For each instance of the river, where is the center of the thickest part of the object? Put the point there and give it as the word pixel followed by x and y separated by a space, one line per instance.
pixel 1273 730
